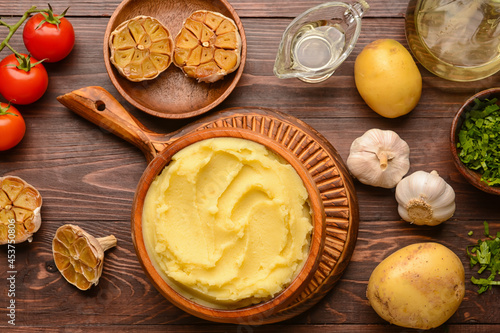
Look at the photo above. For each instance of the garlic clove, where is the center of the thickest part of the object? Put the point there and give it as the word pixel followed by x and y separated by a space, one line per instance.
pixel 379 158
pixel 447 194
pixel 425 198
pixel 442 215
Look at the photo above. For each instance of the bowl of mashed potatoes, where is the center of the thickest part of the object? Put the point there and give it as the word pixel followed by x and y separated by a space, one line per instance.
pixel 228 225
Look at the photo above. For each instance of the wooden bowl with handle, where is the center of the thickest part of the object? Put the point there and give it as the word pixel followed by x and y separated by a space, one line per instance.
pixel 172 94
pixel 249 314
pixel 331 194
pixel 473 177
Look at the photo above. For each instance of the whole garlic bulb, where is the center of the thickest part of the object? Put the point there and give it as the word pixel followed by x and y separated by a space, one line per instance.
pixel 425 198
pixel 379 158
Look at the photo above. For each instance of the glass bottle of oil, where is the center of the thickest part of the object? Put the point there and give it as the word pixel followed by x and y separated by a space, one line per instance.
pixel 457 40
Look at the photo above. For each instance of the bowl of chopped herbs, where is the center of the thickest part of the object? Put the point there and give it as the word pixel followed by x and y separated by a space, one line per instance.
pixel 475 140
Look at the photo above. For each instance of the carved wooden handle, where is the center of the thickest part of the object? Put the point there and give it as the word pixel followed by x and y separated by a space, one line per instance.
pixel 97 105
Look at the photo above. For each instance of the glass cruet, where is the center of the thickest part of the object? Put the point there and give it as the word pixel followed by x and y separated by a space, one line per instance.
pixel 318 41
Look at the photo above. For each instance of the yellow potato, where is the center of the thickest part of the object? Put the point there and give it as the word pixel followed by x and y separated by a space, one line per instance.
pixel 419 286
pixel 387 78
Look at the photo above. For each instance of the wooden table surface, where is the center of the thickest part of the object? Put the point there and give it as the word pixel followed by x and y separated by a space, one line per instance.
pixel 88 177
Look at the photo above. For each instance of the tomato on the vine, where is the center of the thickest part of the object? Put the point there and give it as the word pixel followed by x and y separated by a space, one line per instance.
pixel 19 84
pixel 49 37
pixel 12 126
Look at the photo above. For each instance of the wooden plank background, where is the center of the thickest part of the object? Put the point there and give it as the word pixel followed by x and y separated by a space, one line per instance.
pixel 88 177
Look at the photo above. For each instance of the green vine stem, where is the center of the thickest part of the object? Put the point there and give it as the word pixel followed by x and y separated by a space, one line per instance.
pixel 24 62
pixel 13 28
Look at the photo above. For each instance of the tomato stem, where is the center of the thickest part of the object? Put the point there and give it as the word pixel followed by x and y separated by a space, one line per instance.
pixel 51 18
pixel 24 62
pixel 3 111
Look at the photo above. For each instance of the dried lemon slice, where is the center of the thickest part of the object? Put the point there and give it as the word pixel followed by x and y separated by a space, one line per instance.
pixel 20 205
pixel 208 47
pixel 141 48
pixel 79 256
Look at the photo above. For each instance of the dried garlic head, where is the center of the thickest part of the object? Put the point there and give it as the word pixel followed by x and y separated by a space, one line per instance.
pixel 20 205
pixel 141 48
pixel 79 256
pixel 425 198
pixel 379 158
pixel 208 47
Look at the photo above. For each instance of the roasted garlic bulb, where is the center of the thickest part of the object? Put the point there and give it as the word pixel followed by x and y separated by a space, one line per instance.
pixel 425 198
pixel 379 158
pixel 79 256
pixel 20 205
pixel 208 47
pixel 141 48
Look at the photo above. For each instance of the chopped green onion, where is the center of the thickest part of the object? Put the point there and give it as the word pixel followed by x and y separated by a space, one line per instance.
pixel 486 254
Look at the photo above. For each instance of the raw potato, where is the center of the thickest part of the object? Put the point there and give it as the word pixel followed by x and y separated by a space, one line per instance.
pixel 419 286
pixel 387 78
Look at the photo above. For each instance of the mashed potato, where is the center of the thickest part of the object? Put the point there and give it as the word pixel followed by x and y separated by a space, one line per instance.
pixel 229 221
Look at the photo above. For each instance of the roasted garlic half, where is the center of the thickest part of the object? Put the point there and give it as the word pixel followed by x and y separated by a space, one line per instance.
pixel 20 205
pixel 79 256
pixel 141 48
pixel 208 47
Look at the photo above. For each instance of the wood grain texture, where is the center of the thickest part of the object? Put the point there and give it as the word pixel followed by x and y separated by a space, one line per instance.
pixel 245 8
pixel 88 177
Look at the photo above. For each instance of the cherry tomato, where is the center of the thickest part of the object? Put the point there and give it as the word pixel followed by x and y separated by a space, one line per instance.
pixel 19 86
pixel 49 37
pixel 12 126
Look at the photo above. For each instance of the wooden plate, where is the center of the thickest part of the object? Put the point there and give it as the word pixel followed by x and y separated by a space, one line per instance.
pixel 318 156
pixel 172 94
